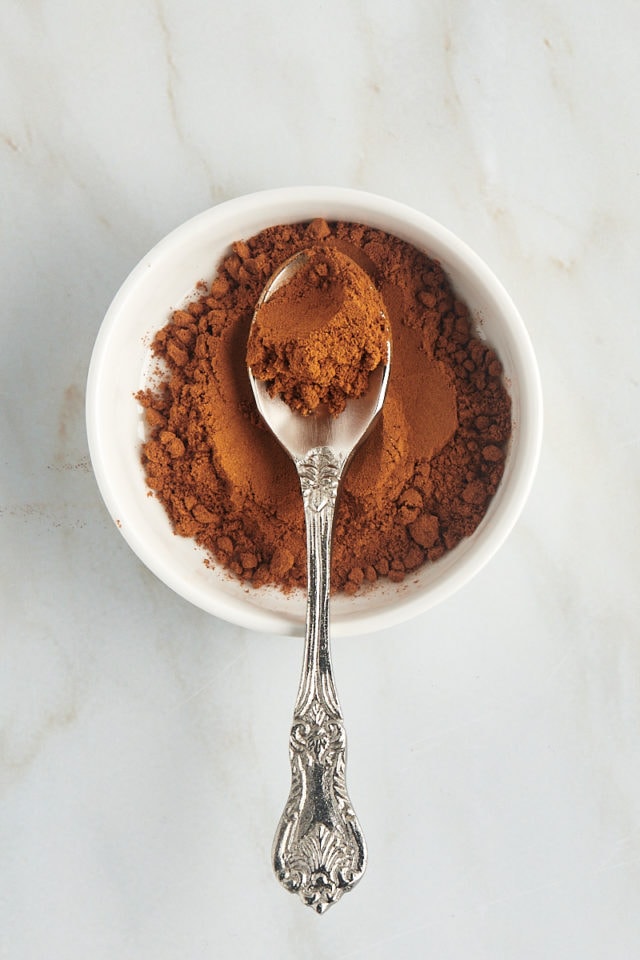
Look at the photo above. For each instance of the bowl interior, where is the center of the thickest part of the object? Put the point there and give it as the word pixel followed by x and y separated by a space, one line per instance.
pixel 120 366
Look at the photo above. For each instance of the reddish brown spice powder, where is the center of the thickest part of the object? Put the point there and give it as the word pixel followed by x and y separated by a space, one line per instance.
pixel 318 337
pixel 420 483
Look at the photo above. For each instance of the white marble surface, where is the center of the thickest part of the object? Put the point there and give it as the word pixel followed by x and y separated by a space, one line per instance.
pixel 495 742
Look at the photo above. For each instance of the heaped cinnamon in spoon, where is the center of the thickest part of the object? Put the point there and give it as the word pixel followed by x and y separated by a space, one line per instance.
pixel 320 335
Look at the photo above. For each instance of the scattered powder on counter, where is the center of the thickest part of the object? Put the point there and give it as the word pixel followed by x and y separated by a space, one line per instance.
pixel 317 338
pixel 420 482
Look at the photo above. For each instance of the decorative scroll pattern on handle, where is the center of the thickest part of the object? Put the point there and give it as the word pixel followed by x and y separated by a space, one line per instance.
pixel 319 850
pixel 319 474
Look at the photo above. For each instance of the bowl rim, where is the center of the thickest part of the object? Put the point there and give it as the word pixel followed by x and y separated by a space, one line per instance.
pixel 281 205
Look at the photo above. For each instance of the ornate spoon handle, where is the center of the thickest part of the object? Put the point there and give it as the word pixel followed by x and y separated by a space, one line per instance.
pixel 319 851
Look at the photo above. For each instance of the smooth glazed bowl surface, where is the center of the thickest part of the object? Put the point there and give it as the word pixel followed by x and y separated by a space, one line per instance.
pixel 122 360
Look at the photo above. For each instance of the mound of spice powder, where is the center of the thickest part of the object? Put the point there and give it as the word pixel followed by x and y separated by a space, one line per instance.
pixel 420 482
pixel 317 338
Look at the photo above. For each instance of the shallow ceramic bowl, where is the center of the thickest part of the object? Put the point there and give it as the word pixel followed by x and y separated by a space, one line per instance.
pixel 121 362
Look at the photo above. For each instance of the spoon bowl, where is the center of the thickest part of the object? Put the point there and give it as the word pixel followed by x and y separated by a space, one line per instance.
pixel 300 434
pixel 319 850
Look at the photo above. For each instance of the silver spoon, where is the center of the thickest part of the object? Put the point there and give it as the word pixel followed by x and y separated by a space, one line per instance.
pixel 319 850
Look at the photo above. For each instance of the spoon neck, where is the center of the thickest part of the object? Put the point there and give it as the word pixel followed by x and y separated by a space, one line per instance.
pixel 319 473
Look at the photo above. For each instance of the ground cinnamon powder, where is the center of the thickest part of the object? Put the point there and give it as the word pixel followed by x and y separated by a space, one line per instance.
pixel 419 484
pixel 317 338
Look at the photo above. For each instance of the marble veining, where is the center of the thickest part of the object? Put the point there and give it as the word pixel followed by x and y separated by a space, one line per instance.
pixel 493 742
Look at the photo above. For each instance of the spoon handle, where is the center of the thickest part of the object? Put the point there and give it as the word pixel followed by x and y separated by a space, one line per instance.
pixel 319 851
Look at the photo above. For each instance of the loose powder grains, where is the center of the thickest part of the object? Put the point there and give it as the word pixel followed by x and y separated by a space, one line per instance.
pixel 317 338
pixel 420 482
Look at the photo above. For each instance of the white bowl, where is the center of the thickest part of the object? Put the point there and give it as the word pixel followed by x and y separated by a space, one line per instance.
pixel 121 360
